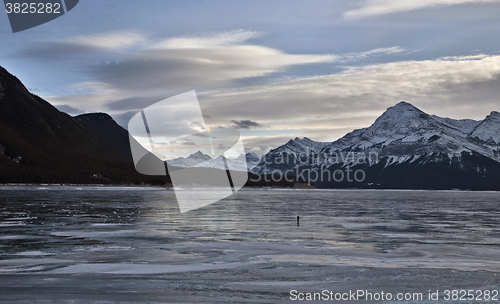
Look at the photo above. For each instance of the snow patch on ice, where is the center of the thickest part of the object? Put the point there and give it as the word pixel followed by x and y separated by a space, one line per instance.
pixel 124 268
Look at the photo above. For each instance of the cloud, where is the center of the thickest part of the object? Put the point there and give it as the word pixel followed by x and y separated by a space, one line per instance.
pixel 91 96
pixel 187 142
pixel 350 57
pixel 208 40
pixel 133 103
pixel 122 119
pixel 327 107
pixel 381 7
pixel 205 62
pixel 321 107
pixel 223 147
pixel 69 109
pixel 245 124
pixel 211 67
pixel 108 41
pixel 200 68
pixel 86 44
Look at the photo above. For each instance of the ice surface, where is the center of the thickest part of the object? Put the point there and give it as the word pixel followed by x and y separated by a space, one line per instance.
pixel 130 246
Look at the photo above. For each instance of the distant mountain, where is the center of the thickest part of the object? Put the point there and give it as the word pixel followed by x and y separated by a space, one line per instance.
pixel 403 148
pixel 251 158
pixel 297 146
pixel 293 152
pixel 40 144
pixel 192 160
pixel 245 162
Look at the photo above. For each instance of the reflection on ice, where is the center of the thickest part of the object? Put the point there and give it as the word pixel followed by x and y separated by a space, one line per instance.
pixel 249 242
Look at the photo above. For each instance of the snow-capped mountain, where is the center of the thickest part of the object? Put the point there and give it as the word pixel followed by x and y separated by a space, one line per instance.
pixel 294 151
pixel 404 148
pixel 245 162
pixel 191 161
pixel 297 146
pixel 404 131
pixel 402 137
pixel 251 159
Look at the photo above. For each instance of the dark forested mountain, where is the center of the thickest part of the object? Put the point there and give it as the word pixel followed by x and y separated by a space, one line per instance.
pixel 40 144
pixel 107 129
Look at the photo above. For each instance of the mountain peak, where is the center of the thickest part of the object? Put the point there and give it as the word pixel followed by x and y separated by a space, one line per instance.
pixel 398 121
pixel 494 114
pixel 401 112
pixel 251 153
pixel 200 154
pixel 301 140
pixel 404 104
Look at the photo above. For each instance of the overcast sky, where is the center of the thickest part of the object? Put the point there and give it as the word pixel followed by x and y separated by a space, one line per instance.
pixel 274 70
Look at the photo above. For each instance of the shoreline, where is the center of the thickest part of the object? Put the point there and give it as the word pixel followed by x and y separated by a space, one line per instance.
pixel 250 188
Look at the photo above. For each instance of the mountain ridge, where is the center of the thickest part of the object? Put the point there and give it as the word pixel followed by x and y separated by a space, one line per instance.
pixel 414 150
pixel 38 143
pixel 403 136
pixel 244 162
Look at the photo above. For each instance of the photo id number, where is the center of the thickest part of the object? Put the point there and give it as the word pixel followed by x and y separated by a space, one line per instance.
pixel 33 8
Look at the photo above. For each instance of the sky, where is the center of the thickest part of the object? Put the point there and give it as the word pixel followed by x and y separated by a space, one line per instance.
pixel 274 69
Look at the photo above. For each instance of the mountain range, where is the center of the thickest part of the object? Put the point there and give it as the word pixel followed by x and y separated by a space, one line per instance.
pixel 405 148
pixel 245 162
pixel 40 144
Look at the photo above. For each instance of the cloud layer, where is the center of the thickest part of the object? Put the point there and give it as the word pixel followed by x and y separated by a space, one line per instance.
pixel 381 7
pixel 321 107
pixel 327 107
pixel 245 124
pixel 155 70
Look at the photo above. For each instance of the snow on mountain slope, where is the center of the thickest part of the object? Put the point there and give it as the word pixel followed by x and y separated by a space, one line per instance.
pixel 294 149
pixel 488 130
pixel 251 159
pixel 402 133
pixel 405 130
pixel 462 126
pixel 190 161
pixel 402 122
pixel 245 162
pixel 300 145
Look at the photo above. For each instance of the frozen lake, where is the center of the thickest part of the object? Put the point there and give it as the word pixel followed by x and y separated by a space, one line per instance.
pixel 131 245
